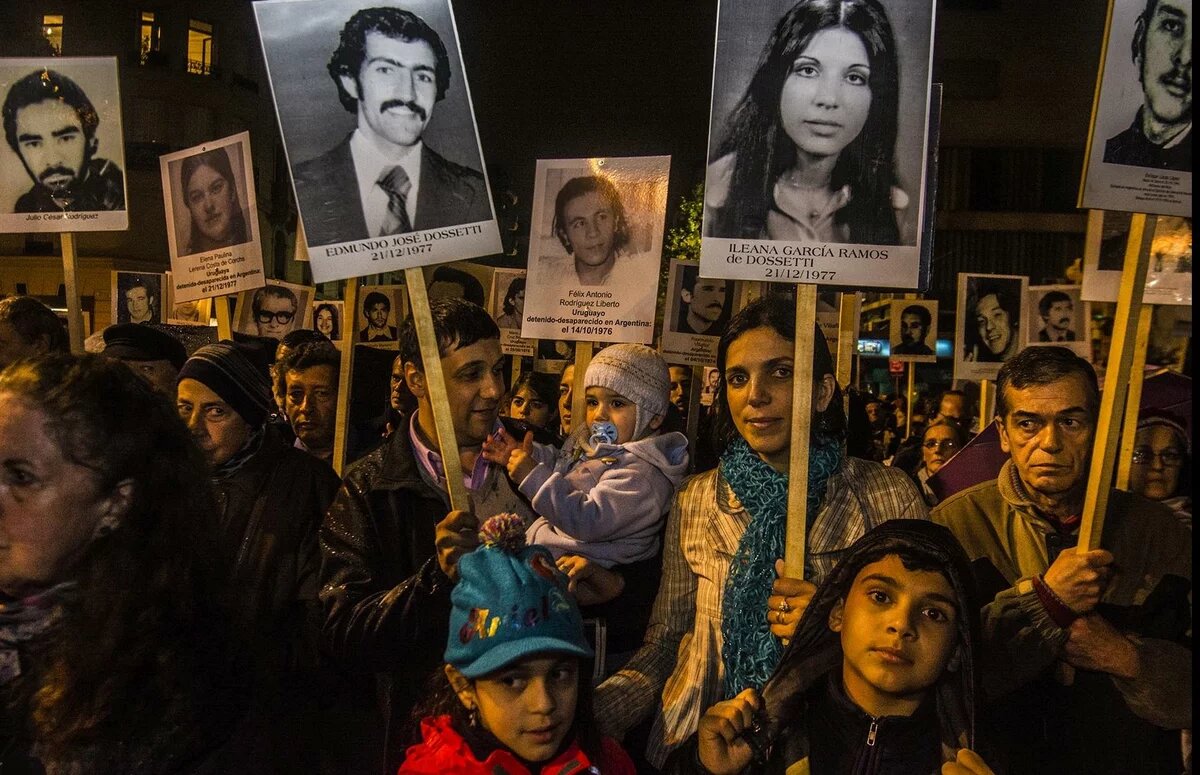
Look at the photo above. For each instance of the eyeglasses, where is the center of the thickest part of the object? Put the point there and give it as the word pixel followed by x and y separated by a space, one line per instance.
pixel 944 444
pixel 1171 458
pixel 282 318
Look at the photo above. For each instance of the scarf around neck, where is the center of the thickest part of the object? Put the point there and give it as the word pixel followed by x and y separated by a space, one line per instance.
pixel 750 652
pixel 27 619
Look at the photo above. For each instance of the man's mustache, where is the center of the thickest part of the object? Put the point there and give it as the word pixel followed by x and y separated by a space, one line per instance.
pixel 1177 77
pixel 414 107
pixel 52 171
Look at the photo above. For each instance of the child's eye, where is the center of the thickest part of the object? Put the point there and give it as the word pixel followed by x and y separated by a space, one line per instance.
pixel 783 372
pixel 878 596
pixel 937 615
pixel 618 403
pixel 593 402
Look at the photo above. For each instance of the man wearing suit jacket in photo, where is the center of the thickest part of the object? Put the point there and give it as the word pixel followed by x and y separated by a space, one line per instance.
pixel 390 68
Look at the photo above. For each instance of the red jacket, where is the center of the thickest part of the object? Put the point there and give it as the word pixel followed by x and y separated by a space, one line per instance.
pixel 442 751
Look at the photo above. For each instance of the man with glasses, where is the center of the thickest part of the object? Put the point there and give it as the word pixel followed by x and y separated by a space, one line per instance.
pixel 274 308
pixel 1090 668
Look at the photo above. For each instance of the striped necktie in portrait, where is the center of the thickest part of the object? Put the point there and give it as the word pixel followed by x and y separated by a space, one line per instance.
pixel 395 183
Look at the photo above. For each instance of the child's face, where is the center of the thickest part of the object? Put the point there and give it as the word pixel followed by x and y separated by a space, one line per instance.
pixel 899 630
pixel 604 404
pixel 530 705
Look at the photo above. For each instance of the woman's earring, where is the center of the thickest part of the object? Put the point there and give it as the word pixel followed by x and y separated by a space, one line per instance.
pixel 473 716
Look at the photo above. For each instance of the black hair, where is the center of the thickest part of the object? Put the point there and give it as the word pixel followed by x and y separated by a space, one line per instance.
pixel 33 320
pixel 510 296
pixel 544 386
pixel 306 355
pixel 472 288
pixel 919 311
pixel 347 59
pixel 457 323
pixel 275 291
pixel 332 310
pixel 1035 366
pixel 688 274
pixel 1137 45
pixel 375 297
pixel 577 187
pixel 779 314
pixel 41 86
pixel 1051 298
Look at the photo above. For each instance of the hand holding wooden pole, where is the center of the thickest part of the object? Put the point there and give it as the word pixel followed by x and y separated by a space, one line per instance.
pixel 802 394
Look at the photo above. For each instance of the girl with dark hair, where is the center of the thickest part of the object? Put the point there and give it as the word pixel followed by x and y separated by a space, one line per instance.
pixel 210 193
pixel 808 153
pixel 534 399
pixel 723 609
pixel 117 644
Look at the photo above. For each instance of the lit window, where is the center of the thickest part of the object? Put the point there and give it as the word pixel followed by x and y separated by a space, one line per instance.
pixel 200 47
pixel 149 37
pixel 52 30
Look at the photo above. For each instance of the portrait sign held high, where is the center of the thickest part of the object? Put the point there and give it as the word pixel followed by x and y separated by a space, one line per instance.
pixel 274 310
pixel 1057 315
pixel 212 223
pixel 913 332
pixel 382 309
pixel 1169 276
pixel 595 247
pixel 62 163
pixel 1139 152
pixel 988 332
pixel 507 307
pixel 697 311
pixel 379 133
pixel 818 140
pixel 137 297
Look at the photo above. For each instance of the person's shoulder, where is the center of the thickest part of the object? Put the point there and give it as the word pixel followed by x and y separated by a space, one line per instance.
pixel 311 170
pixel 718 180
pixel 973 500
pixel 445 168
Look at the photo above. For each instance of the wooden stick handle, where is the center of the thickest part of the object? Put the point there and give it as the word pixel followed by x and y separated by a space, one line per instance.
pixel 802 393
pixel 1137 375
pixel 224 318
pixel 345 377
pixel 847 335
pixel 70 259
pixel 583 358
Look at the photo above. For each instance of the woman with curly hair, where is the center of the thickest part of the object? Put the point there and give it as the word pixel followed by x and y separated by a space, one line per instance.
pixel 809 151
pixel 116 648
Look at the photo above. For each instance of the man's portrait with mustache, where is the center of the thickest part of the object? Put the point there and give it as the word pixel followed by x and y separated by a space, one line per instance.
pixel 390 69
pixel 50 124
pixel 705 303
pixel 1160 136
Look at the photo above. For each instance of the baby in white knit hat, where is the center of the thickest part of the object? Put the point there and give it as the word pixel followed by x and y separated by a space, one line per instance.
pixel 604 496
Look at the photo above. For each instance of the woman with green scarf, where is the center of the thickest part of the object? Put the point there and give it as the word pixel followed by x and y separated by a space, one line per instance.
pixel 722 610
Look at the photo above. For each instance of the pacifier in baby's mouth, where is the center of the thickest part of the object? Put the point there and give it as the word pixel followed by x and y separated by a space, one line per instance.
pixel 603 432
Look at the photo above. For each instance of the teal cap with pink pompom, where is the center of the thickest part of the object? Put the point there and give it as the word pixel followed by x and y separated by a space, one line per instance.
pixel 511 602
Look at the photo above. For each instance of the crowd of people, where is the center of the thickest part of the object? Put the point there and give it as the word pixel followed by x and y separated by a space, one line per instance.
pixel 187 587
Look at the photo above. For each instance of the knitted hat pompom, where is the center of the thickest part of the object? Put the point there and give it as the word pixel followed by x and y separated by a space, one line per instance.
pixel 505 531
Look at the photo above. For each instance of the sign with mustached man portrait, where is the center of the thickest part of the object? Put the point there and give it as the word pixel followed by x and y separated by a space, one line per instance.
pixel 818 139
pixel 62 163
pixel 1139 152
pixel 379 132
pixel 595 247
pixel 697 311
pixel 1058 315
pixel 212 222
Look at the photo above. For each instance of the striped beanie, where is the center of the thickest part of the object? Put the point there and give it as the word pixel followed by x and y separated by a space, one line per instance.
pixel 228 370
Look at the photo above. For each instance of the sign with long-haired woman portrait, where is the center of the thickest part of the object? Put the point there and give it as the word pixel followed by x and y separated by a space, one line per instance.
pixel 817 142
pixel 212 226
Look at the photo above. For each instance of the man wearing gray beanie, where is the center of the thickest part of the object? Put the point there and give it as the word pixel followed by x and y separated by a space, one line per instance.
pixel 270 501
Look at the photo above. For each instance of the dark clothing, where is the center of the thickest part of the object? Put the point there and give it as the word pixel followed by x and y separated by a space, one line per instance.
pixel 448 194
pixel 1134 149
pixel 1044 336
pixel 912 348
pixel 102 188
pixel 364 335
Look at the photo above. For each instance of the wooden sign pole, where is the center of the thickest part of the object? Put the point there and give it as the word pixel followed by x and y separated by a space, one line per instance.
pixel 345 376
pixel 70 259
pixel 1116 377
pixel 435 383
pixel 583 358
pixel 694 409
pixel 847 335
pixel 300 249
pixel 912 373
pixel 1137 375
pixel 987 402
pixel 802 390
pixel 224 319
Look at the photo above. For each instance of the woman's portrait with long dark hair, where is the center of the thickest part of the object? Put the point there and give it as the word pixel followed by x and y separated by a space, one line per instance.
pixel 210 203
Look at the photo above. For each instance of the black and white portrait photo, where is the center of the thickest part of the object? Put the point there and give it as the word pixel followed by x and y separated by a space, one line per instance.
pixel 211 208
pixel 197 312
pixel 990 311
pixel 379 133
pixel 327 319
pixel 817 141
pixel 913 330
pixel 461 280
pixel 382 308
pixel 696 312
pixel 1140 152
pixel 62 162
pixel 1169 275
pixel 274 310
pixel 507 308
pixel 137 297
pixel 595 245
pixel 1056 314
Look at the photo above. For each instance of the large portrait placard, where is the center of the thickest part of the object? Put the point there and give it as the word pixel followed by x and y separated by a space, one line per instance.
pixel 695 315
pixel 990 315
pixel 1169 276
pixel 63 167
pixel 595 248
pixel 379 132
pixel 818 142
pixel 1139 152
pixel 212 221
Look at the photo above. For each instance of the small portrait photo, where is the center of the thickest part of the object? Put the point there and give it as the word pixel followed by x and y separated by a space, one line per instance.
pixel 596 246
pixel 712 381
pixel 1056 314
pixel 275 310
pixel 1142 118
pixel 508 298
pixel 378 129
pixel 1169 275
pixel 554 354
pixel 64 151
pixel 461 280
pixel 137 297
pixel 382 308
pixel 913 330
pixel 186 313
pixel 989 318
pixel 327 319
pixel 696 312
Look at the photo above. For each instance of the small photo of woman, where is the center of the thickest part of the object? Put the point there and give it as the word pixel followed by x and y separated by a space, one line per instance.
pixel 211 204
pixel 327 319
